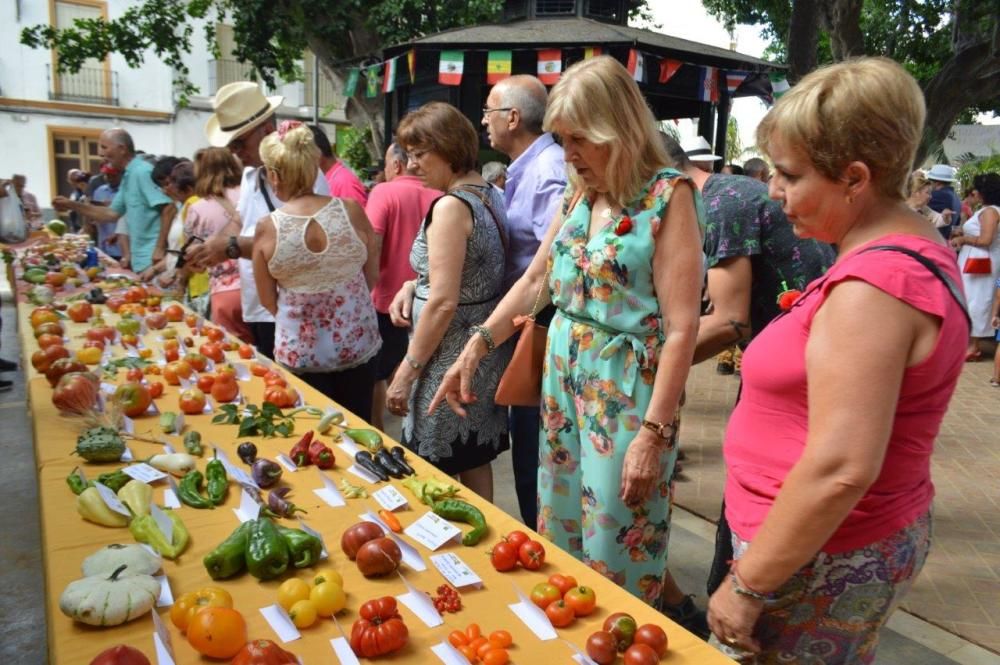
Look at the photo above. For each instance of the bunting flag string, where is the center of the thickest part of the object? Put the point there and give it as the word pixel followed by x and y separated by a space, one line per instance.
pixel 708 85
pixel 549 65
pixel 411 62
pixel 450 67
pixel 734 80
pixel 668 68
pixel 636 65
pixel 498 66
pixel 389 76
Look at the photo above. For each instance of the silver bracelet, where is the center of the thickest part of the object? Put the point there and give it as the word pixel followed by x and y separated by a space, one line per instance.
pixel 487 336
pixel 413 363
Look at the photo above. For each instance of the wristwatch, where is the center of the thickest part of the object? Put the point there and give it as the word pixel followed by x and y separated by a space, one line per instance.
pixel 662 430
pixel 233 248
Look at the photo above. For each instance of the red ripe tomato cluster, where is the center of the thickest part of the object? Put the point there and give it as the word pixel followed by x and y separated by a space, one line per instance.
pixel 517 547
pixel 447 599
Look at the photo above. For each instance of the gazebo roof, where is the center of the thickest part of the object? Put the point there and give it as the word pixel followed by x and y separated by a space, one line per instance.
pixel 575 32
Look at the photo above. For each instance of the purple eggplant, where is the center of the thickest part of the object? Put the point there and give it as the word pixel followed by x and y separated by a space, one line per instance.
pixel 281 506
pixel 265 472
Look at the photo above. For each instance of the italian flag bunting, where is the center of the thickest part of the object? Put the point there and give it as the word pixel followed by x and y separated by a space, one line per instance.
pixel 389 75
pixel 498 66
pixel 591 52
pixel 549 66
pixel 450 67
pixel 636 66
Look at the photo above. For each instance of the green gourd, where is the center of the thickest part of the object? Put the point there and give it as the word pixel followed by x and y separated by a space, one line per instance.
pixel 100 444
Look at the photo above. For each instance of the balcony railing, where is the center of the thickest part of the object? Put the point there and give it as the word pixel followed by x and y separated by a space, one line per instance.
pixel 90 85
pixel 296 93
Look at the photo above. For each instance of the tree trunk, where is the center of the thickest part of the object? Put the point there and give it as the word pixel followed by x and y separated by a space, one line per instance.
pixel 803 36
pixel 843 21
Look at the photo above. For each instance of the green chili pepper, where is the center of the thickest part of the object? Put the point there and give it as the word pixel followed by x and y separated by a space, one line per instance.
pixel 217 482
pixel 189 491
pixel 145 530
pixel 76 482
pixel 304 549
pixel 460 511
pixel 114 480
pixel 192 443
pixel 229 558
pixel 267 551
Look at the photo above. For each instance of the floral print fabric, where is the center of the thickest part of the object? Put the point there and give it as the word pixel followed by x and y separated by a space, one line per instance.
pixel 600 361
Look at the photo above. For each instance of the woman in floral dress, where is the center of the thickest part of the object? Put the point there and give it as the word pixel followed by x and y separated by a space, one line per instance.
pixel 622 264
pixel 314 262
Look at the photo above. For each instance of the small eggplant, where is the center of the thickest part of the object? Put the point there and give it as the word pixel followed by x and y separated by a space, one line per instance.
pixel 281 506
pixel 367 462
pixel 247 452
pixel 387 462
pixel 399 455
pixel 265 472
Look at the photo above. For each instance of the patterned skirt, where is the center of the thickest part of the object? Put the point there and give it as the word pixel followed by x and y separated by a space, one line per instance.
pixel 831 611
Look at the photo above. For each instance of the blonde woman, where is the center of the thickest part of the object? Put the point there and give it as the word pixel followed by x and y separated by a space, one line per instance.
pixel 315 260
pixel 828 485
pixel 918 195
pixel 622 265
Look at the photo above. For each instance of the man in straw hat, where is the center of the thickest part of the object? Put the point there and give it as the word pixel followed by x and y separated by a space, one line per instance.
pixel 944 199
pixel 699 152
pixel 243 117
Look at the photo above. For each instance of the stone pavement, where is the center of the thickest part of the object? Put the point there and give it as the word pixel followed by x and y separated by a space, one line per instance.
pixel 959 588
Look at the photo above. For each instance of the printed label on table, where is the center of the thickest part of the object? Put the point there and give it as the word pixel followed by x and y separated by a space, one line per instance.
pixel 432 531
pixel 249 509
pixel 342 649
pixel 329 492
pixel 144 473
pixel 286 462
pixel 315 534
pixel 455 570
pixel 448 654
pixel 280 623
pixel 163 523
pixel 161 640
pixel 348 446
pixel 111 499
pixel 420 604
pixel 170 499
pixel 242 372
pixel 166 598
pixel 389 498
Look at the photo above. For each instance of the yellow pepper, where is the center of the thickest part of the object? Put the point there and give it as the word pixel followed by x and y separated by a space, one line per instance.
pixel 92 508
pixel 137 495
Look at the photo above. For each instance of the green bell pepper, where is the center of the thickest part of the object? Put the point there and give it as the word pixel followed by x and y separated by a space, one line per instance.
pixel 267 551
pixel 229 558
pixel 304 549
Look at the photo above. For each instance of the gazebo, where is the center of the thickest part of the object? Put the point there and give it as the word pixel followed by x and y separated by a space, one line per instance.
pixel 679 78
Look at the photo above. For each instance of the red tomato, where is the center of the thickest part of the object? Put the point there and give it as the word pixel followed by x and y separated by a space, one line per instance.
pixel 135 294
pixel 559 613
pixel 517 538
pixel 259 369
pixel 652 636
pixel 174 313
pixel 213 351
pixel 115 303
pixel 133 374
pixel 192 401
pixel 503 556
pixel 94 344
pixel 104 333
pixel 133 397
pixel 224 388
pixel 531 554
pixel 43 358
pixel 544 594
pixel 622 626
pixel 48 340
pixel 246 351
pixel 191 320
pixel 582 599
pixel 214 334
pixel 562 582
pixel 80 312
pixel 197 361
pixel 155 389
pixel 205 382
pixel 641 654
pixel 380 630
pixel 501 639
pixel 273 378
pixel 170 355
pixel 601 648
pixel 156 321
pixel 495 656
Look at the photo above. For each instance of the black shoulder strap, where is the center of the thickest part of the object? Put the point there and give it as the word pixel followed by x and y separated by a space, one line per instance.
pixel 262 184
pixel 953 289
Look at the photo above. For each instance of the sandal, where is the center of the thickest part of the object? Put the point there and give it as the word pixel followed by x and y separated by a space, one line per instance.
pixel 973 356
pixel 995 383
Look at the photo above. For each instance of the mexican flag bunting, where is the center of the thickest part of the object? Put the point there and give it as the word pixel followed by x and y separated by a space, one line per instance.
pixel 636 66
pixel 498 66
pixel 371 81
pixel 708 85
pixel 779 84
pixel 591 52
pixel 668 68
pixel 411 63
pixel 351 85
pixel 450 67
pixel 734 80
pixel 389 75
pixel 549 65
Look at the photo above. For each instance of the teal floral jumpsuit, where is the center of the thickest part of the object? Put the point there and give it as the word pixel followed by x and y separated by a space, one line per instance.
pixel 602 350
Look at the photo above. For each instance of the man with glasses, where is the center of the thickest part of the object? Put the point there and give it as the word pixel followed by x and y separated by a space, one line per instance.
pixel 243 117
pixel 536 180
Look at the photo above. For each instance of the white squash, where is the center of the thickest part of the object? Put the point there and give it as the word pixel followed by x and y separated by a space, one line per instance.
pixel 103 600
pixel 140 561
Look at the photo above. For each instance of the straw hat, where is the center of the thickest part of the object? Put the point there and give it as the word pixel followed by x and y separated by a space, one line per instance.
pixel 942 173
pixel 239 107
pixel 697 149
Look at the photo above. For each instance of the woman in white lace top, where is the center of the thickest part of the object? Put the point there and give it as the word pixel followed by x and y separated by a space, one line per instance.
pixel 315 260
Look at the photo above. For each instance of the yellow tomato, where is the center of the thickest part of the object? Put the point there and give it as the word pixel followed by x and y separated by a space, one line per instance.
pixel 145 353
pixel 329 598
pixel 327 575
pixel 185 607
pixel 292 591
pixel 90 355
pixel 303 613
pixel 168 333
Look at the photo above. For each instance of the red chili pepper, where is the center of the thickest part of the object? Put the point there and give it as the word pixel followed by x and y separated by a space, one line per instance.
pixel 300 451
pixel 321 455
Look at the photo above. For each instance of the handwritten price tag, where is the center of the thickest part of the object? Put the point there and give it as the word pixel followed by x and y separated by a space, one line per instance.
pixel 144 473
pixel 389 498
pixel 455 570
pixel 432 531
pixel 111 500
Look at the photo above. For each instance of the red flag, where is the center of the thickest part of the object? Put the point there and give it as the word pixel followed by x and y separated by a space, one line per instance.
pixel 668 68
pixel 549 66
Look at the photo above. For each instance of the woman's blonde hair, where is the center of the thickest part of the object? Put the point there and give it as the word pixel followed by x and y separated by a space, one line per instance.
pixel 867 110
pixel 917 182
pixel 599 99
pixel 291 152
pixel 215 171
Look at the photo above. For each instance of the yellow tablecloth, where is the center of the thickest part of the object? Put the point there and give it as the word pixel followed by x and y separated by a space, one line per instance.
pixel 67 539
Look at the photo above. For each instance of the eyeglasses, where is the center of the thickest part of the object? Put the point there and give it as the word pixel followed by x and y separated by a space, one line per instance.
pixel 415 155
pixel 487 110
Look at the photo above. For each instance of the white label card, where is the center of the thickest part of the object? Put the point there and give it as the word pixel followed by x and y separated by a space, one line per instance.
pixel 286 462
pixel 455 570
pixel 178 424
pixel 170 499
pixel 167 448
pixel 280 623
pixel 315 534
pixel 432 531
pixel 248 510
pixel 163 523
pixel 186 384
pixel 389 498
pixel 128 425
pixel 108 388
pixel 420 604
pixel 342 649
pixel 329 492
pixel 242 372
pixel 364 475
pixel 144 473
pixel 348 446
pixel 166 598
pixel 448 654
pixel 161 640
pixel 533 617
pixel 111 500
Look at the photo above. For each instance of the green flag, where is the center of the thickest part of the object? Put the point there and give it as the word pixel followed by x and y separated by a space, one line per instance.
pixel 372 81
pixel 779 84
pixel 351 86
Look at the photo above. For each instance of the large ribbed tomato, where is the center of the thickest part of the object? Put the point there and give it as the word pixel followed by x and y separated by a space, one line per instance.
pixel 380 630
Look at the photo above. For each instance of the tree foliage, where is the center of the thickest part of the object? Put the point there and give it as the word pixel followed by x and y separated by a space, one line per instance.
pixel 952 47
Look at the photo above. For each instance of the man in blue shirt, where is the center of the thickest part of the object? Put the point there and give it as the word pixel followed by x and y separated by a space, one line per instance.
pixel 943 197
pixel 149 211
pixel 536 180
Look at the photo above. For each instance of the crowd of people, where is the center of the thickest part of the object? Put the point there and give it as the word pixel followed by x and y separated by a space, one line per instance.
pixel 641 260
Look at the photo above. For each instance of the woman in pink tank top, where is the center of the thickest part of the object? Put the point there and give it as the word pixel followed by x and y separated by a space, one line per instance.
pixel 828 487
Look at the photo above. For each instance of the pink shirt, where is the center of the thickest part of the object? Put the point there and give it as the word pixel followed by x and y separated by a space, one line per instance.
pixel 205 218
pixel 396 209
pixel 767 432
pixel 345 185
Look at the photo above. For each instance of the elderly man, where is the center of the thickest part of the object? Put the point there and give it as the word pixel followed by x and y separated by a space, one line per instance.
pixel 536 179
pixel 395 208
pixel 243 117
pixel 944 200
pixel 757 168
pixel 147 209
pixel 699 152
